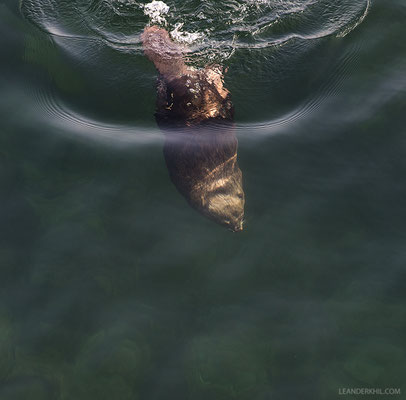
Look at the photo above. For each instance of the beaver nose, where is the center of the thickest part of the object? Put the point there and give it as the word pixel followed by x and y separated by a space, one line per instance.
pixel 239 226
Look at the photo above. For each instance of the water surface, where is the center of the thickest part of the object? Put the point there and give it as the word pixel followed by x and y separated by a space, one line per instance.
pixel 112 287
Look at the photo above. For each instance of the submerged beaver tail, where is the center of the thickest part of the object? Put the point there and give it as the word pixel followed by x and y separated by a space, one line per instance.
pixel 162 51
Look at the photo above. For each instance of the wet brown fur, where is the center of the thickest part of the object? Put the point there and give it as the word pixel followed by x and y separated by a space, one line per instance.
pixel 196 113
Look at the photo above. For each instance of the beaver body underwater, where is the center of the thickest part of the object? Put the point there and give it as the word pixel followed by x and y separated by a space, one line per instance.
pixel 196 113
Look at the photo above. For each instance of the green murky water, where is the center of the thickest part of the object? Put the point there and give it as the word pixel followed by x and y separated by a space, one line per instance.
pixel 112 287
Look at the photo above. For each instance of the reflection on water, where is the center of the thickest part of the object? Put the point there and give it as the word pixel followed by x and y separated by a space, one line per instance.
pixel 195 111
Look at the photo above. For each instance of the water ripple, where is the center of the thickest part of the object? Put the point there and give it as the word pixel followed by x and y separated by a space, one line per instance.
pixel 213 30
pixel 52 111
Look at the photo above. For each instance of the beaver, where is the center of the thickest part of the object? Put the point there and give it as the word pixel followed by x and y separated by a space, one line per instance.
pixel 195 112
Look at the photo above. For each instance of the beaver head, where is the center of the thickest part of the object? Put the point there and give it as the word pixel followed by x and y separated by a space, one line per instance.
pixel 224 202
pixel 219 194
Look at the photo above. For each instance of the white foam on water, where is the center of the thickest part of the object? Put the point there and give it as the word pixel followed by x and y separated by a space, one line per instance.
pixel 156 11
pixel 258 2
pixel 184 36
